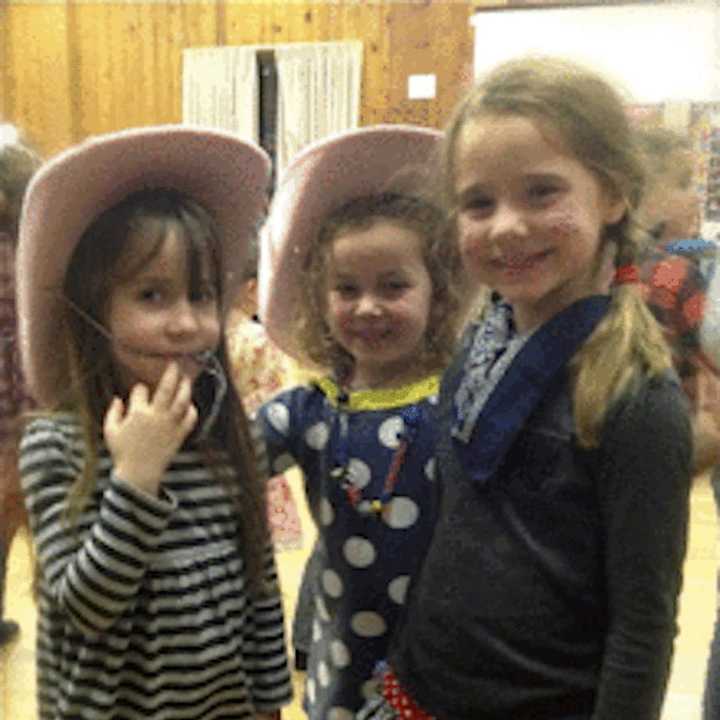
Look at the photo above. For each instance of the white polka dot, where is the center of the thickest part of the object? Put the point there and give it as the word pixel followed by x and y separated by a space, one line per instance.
pixel 327 514
pixel 279 417
pixel 283 462
pixel 430 469
pixel 368 624
pixel 401 513
pixel 310 689
pixel 317 436
pixel 359 552
pixel 359 473
pixel 332 584
pixel 339 654
pixel 321 608
pixel 323 674
pixel 338 713
pixel 397 589
pixel 389 430
pixel 316 631
pixel 433 399
pixel 370 689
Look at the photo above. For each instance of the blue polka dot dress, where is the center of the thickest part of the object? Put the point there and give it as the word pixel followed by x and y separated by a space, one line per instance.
pixel 373 540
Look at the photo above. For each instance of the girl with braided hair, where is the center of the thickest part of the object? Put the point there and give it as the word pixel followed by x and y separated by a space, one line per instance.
pixel 549 590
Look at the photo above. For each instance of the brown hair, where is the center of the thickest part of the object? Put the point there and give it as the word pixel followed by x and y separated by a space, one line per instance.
pixel 659 145
pixel 589 115
pixel 87 287
pixel 18 163
pixel 361 213
pixel 666 155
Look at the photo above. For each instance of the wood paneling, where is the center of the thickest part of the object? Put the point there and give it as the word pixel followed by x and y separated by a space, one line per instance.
pixel 37 82
pixel 73 68
pixel 436 39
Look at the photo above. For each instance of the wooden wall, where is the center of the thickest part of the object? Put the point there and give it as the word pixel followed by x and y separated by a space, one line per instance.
pixel 72 68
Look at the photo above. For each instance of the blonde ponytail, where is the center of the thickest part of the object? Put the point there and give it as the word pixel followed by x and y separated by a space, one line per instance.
pixel 626 346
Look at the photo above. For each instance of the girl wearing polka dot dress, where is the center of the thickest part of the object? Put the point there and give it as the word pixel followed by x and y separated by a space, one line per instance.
pixel 351 281
pixel 549 590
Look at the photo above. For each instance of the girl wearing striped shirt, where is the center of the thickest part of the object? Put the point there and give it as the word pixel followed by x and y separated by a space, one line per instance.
pixel 144 482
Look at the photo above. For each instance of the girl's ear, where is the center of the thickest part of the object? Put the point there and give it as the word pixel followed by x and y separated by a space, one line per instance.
pixel 248 297
pixel 615 208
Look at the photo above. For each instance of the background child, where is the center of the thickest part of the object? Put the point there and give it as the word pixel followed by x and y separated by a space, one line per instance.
pixel 18 162
pixel 673 285
pixel 260 370
pixel 670 208
pixel 350 281
pixel 157 587
pixel 549 590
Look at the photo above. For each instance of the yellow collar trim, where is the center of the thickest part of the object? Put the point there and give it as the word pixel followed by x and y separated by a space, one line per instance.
pixel 382 398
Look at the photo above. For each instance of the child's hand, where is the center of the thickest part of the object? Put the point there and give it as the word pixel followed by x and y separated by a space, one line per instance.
pixel 143 438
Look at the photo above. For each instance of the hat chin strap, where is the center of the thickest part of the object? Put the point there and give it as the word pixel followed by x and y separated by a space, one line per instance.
pixel 212 366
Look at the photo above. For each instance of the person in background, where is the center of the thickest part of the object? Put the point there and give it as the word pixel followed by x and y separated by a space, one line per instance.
pixel 18 162
pixel 671 206
pixel 260 370
pixel 675 271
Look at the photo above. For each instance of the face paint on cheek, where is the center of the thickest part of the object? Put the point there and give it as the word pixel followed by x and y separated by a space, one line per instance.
pixel 561 220
pixel 345 322
pixel 564 225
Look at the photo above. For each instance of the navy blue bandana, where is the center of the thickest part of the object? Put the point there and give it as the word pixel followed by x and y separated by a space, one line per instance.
pixel 487 423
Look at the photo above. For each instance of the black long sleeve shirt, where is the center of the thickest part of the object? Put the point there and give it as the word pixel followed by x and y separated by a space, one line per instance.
pixel 551 593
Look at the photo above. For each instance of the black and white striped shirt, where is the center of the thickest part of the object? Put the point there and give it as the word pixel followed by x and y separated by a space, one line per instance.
pixel 144 612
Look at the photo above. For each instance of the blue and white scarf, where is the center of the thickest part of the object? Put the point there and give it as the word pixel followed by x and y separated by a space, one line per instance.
pixel 506 376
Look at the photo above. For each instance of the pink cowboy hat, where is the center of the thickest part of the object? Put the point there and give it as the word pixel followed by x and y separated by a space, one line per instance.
pixel 318 181
pixel 227 176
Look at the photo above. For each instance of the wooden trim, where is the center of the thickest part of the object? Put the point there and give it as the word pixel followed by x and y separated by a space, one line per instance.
pixel 221 23
pixel 6 94
pixel 73 64
pixel 484 6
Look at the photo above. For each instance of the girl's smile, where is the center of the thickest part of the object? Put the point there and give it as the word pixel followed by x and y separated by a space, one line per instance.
pixel 517 264
pixel 378 301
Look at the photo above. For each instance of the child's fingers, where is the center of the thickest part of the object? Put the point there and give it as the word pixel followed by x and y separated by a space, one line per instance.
pixel 182 397
pixel 113 415
pixel 167 387
pixel 189 420
pixel 139 395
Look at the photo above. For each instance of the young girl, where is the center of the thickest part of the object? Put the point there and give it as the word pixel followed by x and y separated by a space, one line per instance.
pixel 260 370
pixel 671 206
pixel 351 282
pixel 549 590
pixel 18 162
pixel 157 587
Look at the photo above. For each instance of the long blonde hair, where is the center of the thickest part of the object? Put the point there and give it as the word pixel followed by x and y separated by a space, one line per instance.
pixel 589 115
